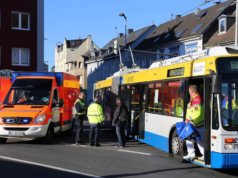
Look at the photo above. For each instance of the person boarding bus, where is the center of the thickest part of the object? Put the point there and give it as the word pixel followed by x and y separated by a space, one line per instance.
pixel 194 115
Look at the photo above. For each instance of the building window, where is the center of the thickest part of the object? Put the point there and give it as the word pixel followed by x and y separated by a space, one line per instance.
pixel 191 47
pixel 160 54
pixel 20 21
pixel 20 56
pixel 174 51
pixel 222 25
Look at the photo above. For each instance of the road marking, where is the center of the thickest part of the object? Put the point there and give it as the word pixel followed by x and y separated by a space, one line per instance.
pixel 111 149
pixel 46 166
pixel 135 152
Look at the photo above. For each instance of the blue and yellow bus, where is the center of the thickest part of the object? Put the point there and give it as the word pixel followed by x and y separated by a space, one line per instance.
pixel 157 99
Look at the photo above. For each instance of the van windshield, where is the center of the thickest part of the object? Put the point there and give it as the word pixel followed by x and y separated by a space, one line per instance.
pixel 29 92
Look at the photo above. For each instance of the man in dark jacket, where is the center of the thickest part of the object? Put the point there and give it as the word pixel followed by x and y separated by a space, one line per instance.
pixel 80 108
pixel 120 118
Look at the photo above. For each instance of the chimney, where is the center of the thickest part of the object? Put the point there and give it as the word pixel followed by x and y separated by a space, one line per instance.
pixel 178 16
pixel 130 30
pixel 121 34
pixel 217 2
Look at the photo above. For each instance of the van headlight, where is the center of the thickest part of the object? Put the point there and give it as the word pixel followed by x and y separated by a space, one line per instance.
pixel 40 118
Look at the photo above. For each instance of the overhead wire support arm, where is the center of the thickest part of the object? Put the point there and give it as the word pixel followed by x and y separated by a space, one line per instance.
pixel 132 57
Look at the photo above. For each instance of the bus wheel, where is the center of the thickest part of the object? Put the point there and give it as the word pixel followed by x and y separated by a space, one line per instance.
pixel 177 147
pixel 3 140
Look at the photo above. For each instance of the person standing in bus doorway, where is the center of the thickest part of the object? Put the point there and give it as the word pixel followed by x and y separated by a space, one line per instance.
pixel 80 115
pixel 194 115
pixel 95 117
pixel 120 119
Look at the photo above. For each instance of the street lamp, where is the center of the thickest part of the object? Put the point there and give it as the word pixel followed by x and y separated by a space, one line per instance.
pixel 123 15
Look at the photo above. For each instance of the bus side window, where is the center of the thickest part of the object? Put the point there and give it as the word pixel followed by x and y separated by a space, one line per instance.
pixel 155 98
pixel 173 98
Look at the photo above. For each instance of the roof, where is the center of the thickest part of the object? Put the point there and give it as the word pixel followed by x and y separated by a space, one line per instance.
pixel 70 44
pixel 74 43
pixel 223 38
pixel 131 37
pixel 191 25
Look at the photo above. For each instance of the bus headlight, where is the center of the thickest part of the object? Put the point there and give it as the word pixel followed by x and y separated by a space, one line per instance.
pixel 228 146
pixel 40 118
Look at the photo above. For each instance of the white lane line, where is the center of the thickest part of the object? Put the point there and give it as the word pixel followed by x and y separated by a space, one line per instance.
pixel 46 166
pixel 135 152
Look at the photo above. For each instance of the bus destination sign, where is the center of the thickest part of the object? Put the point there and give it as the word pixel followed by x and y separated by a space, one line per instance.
pixel 227 65
pixel 234 65
pixel 175 72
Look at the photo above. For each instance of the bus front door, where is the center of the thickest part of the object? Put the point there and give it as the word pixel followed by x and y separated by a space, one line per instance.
pixel 137 111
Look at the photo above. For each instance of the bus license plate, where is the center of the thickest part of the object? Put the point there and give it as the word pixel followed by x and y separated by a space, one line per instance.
pixel 236 146
pixel 16 133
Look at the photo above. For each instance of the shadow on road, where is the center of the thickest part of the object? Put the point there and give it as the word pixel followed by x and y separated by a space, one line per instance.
pixel 107 136
pixel 150 172
pixel 28 171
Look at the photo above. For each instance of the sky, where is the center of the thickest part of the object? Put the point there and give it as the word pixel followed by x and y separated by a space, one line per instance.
pixel 73 19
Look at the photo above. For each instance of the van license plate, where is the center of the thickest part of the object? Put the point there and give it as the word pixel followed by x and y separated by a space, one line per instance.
pixel 16 133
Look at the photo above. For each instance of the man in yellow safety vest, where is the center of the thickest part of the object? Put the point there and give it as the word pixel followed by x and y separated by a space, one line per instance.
pixel 95 117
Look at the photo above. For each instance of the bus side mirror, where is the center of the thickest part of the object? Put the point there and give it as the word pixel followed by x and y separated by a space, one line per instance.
pixel 216 83
pixel 61 102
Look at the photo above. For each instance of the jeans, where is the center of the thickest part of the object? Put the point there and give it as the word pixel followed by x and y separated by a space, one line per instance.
pixel 79 129
pixel 120 131
pixel 200 143
pixel 94 132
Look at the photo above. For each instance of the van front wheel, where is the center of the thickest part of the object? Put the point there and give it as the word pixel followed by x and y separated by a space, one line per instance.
pixel 3 140
pixel 49 134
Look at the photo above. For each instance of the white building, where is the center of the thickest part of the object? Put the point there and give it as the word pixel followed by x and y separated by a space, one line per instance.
pixel 70 57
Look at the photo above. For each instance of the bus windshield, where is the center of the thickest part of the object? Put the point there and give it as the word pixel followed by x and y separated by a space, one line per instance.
pixel 29 92
pixel 229 103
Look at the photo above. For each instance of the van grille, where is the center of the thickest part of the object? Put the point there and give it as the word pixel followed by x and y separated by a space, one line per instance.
pixel 16 128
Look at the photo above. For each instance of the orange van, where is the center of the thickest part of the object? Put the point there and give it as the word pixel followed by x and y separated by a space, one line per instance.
pixel 38 104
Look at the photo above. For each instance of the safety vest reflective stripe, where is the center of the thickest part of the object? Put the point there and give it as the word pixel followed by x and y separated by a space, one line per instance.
pixel 94 115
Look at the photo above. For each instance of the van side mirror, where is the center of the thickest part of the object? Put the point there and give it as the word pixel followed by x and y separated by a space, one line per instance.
pixel 61 102
pixel 216 83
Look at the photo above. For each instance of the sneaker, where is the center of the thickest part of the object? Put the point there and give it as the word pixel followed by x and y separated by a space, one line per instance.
pixel 119 146
pixel 97 145
pixel 201 158
pixel 91 144
pixel 189 156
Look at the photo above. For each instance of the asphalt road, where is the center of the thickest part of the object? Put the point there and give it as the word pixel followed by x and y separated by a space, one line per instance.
pixel 62 158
